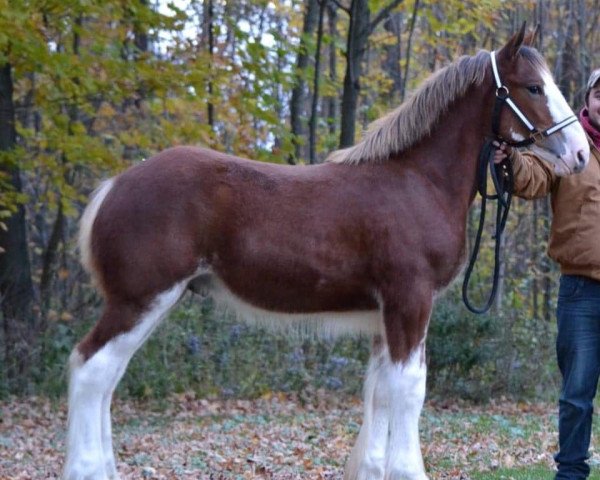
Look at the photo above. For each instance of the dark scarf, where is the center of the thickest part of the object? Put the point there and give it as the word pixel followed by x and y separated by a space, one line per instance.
pixel 593 132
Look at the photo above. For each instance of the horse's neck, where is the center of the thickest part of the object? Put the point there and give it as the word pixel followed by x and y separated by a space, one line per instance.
pixel 450 155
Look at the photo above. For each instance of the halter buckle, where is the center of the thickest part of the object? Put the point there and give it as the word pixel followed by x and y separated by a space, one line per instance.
pixel 537 136
pixel 502 92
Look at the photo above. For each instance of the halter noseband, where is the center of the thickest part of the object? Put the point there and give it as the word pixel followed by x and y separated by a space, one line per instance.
pixel 503 97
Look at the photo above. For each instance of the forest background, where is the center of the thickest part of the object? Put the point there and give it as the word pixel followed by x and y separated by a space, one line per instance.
pixel 90 88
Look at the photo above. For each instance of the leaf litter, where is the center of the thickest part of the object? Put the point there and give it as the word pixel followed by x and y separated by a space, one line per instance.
pixel 278 436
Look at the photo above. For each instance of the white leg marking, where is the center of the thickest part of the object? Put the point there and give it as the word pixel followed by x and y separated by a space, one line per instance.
pixel 84 450
pixel 406 384
pixel 107 446
pixel 359 452
pixel 89 440
pixel 388 446
pixel 377 422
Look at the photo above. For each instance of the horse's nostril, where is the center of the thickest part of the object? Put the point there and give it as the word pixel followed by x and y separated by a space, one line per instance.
pixel 581 158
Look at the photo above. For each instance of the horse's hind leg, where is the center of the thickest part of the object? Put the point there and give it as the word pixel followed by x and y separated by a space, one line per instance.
pixel 97 365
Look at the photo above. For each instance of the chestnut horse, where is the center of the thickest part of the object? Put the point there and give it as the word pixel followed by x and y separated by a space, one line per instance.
pixel 363 242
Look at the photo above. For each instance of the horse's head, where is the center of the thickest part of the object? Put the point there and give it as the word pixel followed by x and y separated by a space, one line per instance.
pixel 542 115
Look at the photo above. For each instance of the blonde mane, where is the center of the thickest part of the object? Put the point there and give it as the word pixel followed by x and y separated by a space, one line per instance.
pixel 414 119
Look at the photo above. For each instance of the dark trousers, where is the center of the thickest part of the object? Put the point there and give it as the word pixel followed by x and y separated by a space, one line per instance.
pixel 578 353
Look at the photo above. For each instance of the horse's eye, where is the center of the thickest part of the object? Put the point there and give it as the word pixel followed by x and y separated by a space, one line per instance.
pixel 535 89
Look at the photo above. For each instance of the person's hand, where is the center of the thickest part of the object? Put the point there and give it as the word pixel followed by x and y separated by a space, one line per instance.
pixel 502 151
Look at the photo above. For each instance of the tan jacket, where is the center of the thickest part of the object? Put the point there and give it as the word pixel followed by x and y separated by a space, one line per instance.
pixel 575 232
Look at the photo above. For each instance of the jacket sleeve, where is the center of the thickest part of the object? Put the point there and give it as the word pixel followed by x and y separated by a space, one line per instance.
pixel 534 178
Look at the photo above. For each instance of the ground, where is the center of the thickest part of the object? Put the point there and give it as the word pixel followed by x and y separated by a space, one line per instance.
pixel 277 437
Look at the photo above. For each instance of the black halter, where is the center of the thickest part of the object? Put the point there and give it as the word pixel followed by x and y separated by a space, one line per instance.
pixel 503 180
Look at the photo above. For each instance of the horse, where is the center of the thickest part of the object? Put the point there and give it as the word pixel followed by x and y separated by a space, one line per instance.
pixel 363 242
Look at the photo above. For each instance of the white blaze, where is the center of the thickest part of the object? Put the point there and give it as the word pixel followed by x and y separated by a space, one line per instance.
pixel 572 137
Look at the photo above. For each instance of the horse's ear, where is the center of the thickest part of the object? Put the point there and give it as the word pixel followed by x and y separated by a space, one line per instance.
pixel 532 37
pixel 512 47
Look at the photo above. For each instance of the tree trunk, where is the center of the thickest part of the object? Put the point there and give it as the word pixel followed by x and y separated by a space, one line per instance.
pixel 332 100
pixel 540 15
pixel 297 101
pixel 132 20
pixel 564 62
pixel 393 53
pixel 411 32
pixel 208 40
pixel 16 287
pixel 501 277
pixel 359 30
pixel 548 310
pixel 315 99
pixel 583 69
pixel 356 46
pixel 535 258
pixel 49 261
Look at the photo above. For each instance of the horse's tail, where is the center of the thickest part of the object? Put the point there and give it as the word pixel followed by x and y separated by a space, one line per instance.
pixel 86 223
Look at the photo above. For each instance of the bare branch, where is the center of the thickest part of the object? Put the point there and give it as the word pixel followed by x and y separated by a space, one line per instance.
pixel 338 4
pixel 383 14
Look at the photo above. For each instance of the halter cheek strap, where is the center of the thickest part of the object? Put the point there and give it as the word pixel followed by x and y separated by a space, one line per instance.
pixel 503 98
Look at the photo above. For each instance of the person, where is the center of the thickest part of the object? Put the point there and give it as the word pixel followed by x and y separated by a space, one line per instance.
pixel 575 244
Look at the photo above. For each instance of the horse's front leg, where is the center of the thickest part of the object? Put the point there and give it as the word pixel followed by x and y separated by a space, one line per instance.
pixel 406 318
pixel 388 445
pixel 407 386
pixel 367 459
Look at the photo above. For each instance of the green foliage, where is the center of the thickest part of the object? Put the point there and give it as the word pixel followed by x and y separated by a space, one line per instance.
pixel 523 473
pixel 211 354
pixel 9 198
pixel 460 350
pixel 207 352
pixel 198 349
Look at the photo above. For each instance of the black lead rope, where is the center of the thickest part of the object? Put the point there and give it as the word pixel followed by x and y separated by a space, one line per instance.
pixel 502 177
pixel 503 180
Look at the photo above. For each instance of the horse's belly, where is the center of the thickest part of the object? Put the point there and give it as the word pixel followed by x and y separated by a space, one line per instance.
pixel 297 289
pixel 268 310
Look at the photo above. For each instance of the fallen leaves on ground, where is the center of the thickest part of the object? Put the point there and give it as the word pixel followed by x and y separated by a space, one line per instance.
pixel 275 437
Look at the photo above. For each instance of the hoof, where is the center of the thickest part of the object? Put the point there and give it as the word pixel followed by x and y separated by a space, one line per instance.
pixel 86 473
pixel 397 474
pixel 370 471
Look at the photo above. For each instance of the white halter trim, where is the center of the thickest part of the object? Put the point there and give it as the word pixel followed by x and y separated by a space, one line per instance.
pixel 520 114
pixel 495 70
pixel 558 126
pixel 509 102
